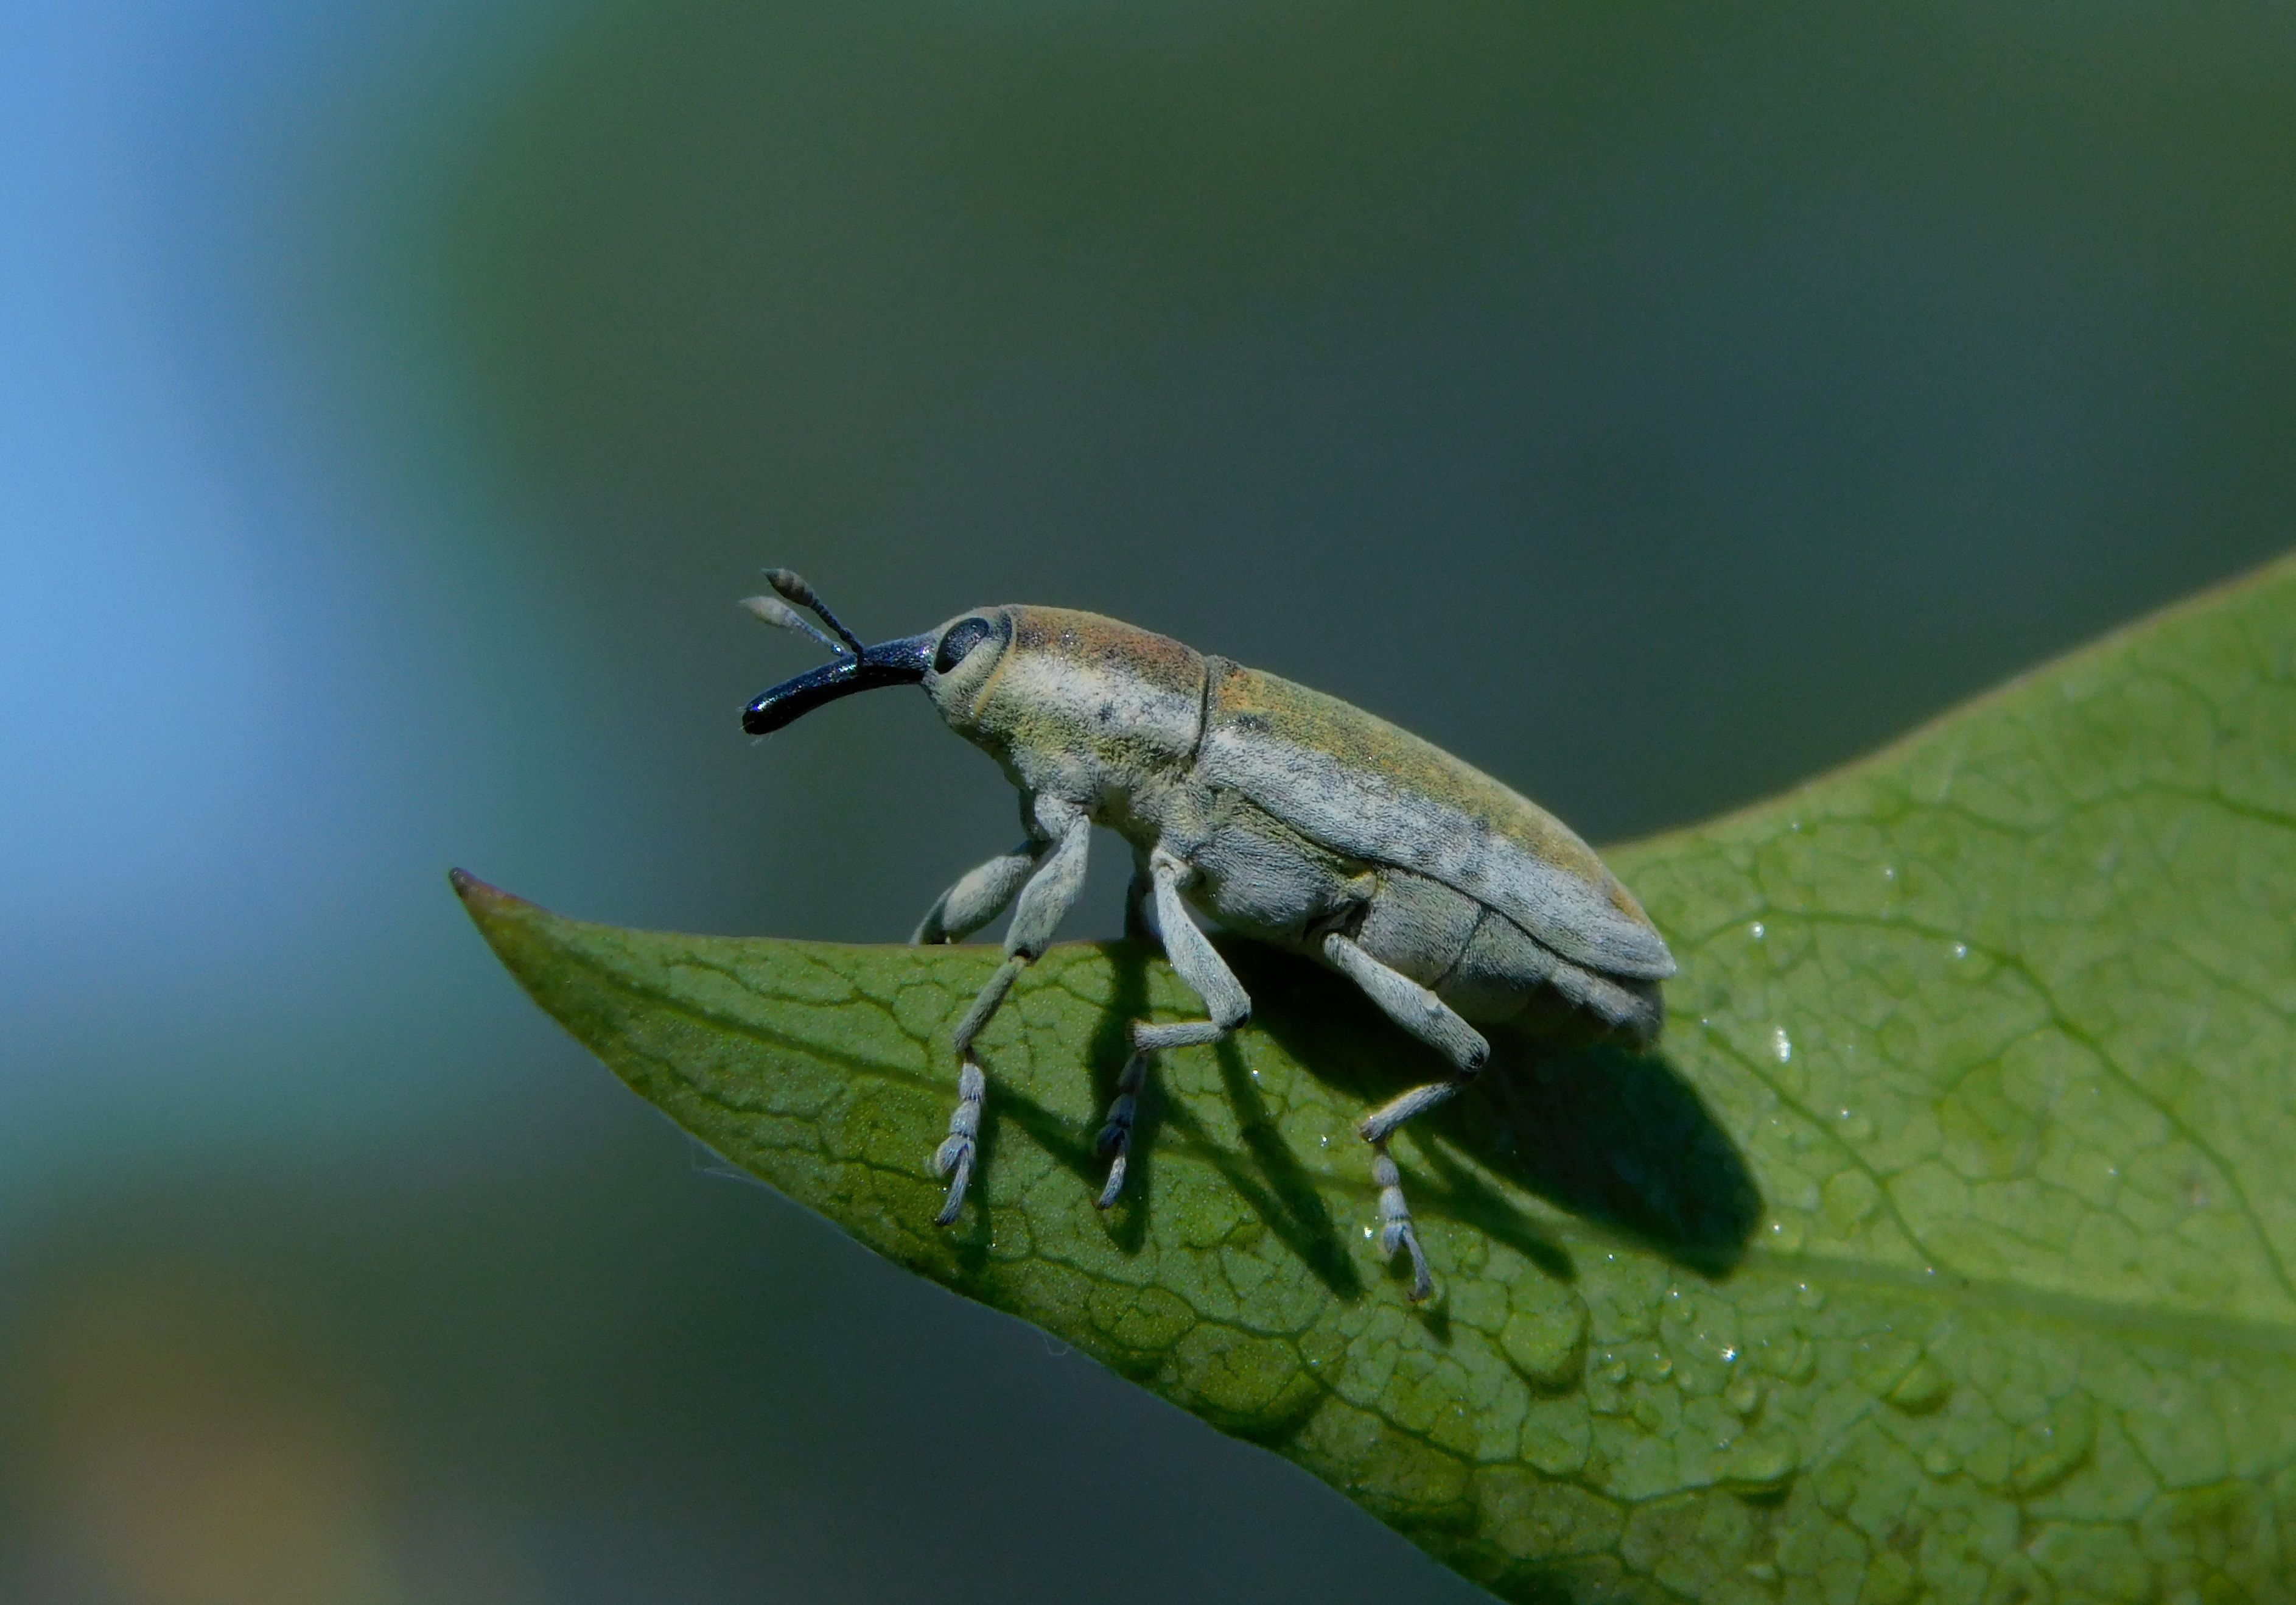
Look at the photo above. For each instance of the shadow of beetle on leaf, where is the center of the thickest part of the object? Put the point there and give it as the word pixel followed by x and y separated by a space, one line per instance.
pixel 1616 1137
pixel 1272 1181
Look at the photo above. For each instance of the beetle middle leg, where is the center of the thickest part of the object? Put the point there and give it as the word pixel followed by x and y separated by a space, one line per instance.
pixel 1059 876
pixel 1199 965
pixel 1435 1023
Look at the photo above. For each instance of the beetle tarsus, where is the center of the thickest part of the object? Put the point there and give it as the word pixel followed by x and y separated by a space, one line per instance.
pixel 1115 1140
pixel 1395 1228
pixel 954 1157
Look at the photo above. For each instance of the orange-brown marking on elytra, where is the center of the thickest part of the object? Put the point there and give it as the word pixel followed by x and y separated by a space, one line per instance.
pixel 1093 637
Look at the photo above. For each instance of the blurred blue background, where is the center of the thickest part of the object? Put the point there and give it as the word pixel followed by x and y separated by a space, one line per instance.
pixel 1654 405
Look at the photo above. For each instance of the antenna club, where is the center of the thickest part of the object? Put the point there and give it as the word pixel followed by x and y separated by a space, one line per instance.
pixel 791 585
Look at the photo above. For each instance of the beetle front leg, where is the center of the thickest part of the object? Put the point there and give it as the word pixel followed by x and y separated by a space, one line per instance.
pixel 1046 897
pixel 1435 1023
pixel 979 897
pixel 1199 965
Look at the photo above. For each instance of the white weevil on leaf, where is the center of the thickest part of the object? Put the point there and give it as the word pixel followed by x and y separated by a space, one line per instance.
pixel 1279 813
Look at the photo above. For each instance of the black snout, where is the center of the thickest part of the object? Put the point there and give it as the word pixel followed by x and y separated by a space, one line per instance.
pixel 901 663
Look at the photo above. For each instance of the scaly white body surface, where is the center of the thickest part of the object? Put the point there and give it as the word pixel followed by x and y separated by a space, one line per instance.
pixel 1275 812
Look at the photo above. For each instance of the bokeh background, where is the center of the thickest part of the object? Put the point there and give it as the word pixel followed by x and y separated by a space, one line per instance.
pixel 1654 404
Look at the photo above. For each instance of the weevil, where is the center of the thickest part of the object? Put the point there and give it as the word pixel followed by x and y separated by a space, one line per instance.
pixel 1272 811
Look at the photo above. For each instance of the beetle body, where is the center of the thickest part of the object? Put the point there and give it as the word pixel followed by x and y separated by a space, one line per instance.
pixel 1302 814
pixel 1273 812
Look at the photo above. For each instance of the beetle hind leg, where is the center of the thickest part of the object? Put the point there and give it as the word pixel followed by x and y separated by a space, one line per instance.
pixel 1435 1023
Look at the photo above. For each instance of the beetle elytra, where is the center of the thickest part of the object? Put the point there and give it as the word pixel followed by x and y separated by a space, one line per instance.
pixel 1275 812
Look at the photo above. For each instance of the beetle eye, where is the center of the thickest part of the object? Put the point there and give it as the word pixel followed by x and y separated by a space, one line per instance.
pixel 962 637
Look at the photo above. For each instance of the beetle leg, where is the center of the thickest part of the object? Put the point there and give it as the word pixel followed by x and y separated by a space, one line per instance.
pixel 1395 1228
pixel 1199 965
pixel 955 1150
pixel 1140 903
pixel 978 898
pixel 1435 1023
pixel 1044 900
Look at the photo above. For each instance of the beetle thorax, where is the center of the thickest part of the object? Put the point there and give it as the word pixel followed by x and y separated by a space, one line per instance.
pixel 1079 705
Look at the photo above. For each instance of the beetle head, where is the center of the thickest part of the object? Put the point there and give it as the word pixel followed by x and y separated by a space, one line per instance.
pixel 1067 701
pixel 965 654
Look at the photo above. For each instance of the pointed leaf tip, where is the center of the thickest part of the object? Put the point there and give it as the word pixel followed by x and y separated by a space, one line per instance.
pixel 484 901
pixel 1946 1248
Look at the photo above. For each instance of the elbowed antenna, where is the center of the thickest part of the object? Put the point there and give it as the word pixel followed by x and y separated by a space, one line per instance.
pixel 781 616
pixel 791 584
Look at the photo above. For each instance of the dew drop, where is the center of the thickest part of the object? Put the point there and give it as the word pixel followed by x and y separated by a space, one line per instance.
pixel 1756 931
pixel 1781 1045
pixel 1889 872
pixel 1924 1389
pixel 1758 1468
pixel 1729 1356
pixel 1961 949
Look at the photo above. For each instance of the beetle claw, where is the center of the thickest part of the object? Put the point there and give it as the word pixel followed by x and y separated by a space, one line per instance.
pixel 1115 1146
pixel 1108 1195
pixel 953 1155
pixel 1403 1234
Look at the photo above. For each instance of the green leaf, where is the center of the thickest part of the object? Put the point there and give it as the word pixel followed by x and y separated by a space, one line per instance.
pixel 1944 1250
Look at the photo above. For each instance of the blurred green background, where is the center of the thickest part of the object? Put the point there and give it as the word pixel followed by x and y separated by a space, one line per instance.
pixel 1654 404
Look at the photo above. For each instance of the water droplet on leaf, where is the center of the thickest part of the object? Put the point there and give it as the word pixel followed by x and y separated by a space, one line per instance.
pixel 1924 1387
